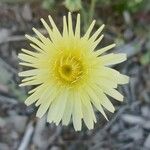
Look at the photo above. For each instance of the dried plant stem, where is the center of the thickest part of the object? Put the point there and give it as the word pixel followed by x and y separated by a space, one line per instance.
pixel 15 1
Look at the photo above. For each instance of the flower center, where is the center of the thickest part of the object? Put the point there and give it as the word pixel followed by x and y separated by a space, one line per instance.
pixel 68 69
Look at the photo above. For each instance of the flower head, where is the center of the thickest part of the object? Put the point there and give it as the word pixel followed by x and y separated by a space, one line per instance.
pixel 69 76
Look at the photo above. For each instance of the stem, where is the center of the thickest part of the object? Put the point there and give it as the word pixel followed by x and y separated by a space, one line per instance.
pixel 92 7
pixel 15 1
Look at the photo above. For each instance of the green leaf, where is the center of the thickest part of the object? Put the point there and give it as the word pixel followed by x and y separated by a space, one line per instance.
pixel 145 59
pixel 73 5
pixel 48 4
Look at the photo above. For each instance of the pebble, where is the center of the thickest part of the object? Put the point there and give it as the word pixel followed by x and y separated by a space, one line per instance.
pixel 147 142
pixel 146 125
pixel 114 129
pixel 18 122
pixel 132 119
pixel 2 123
pixel 55 148
pixel 145 110
pixel 4 146
pixel 135 133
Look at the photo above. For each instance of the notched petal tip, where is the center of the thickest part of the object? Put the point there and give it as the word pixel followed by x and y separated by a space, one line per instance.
pixel 126 79
pixel 102 36
pixel 114 44
pixel 94 21
pixel 27 103
pixel 43 21
pixel 27 36
pixel 20 74
pixel 34 29
pixel 21 85
pixel 103 25
pixel 123 55
pixel 20 55
pixel 78 15
pixel 39 114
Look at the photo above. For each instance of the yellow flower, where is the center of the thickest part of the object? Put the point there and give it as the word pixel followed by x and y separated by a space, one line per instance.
pixel 70 76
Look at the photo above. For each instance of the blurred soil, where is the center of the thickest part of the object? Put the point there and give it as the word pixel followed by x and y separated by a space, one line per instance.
pixel 128 128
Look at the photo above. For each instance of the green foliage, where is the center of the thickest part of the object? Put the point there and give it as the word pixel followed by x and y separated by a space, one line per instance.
pixel 145 59
pixel 104 2
pixel 73 5
pixel 48 4
pixel 6 78
pixel 16 1
pixel 129 5
pixel 117 5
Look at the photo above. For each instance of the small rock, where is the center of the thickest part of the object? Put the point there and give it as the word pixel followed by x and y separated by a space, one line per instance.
pixel 114 129
pixel 128 34
pixel 4 146
pixel 2 122
pixel 4 34
pixel 146 125
pixel 135 133
pixel 132 119
pixel 145 111
pixel 55 148
pixel 19 122
pixel 26 12
pixel 147 142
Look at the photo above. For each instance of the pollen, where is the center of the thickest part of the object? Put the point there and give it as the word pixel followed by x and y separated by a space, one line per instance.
pixel 68 70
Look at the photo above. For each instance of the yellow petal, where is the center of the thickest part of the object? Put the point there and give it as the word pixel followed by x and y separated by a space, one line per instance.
pixel 36 95
pixel 106 102
pixel 29 79
pixel 77 30
pixel 96 34
pixel 33 54
pixel 114 93
pixel 47 27
pixel 54 110
pixel 68 110
pixel 27 58
pixel 61 106
pixel 96 100
pixel 112 74
pixel 70 24
pixel 54 26
pixel 104 49
pixel 31 72
pixel 87 117
pixel 45 100
pixel 87 34
pixel 41 37
pixel 35 41
pixel 36 48
pixel 86 101
pixel 49 94
pixel 112 59
pixel 77 112
pixel 65 28
pixel 105 83
pixel 96 42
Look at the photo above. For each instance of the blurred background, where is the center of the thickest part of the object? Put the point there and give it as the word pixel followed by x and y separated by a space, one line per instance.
pixel 128 25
